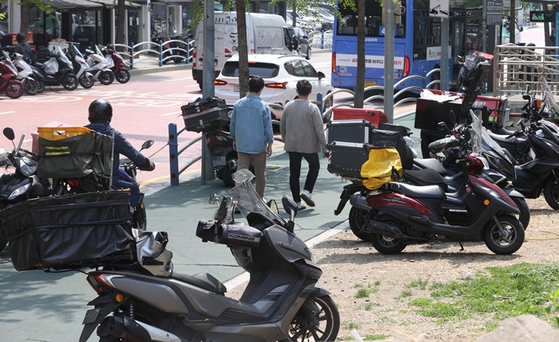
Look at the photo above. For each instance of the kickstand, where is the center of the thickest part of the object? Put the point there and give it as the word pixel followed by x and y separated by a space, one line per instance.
pixel 461 247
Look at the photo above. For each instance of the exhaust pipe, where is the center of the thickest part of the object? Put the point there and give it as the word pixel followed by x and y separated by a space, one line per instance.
pixel 359 202
pixel 129 329
pixel 377 227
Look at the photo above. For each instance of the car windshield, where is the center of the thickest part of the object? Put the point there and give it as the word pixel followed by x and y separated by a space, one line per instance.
pixel 264 70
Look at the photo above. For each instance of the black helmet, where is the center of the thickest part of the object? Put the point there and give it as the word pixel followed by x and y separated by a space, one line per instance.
pixel 20 37
pixel 100 110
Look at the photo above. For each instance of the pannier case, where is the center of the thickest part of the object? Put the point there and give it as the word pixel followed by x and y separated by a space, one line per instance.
pixel 355 131
pixel 374 116
pixel 346 159
pixel 205 114
pixel 70 231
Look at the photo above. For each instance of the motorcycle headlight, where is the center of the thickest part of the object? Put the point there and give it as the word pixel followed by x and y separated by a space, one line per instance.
pixel 4 156
pixel 27 167
pixel 19 191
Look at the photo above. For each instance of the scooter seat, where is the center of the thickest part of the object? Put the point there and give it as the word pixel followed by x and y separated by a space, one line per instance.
pixel 503 138
pixel 202 280
pixel 417 191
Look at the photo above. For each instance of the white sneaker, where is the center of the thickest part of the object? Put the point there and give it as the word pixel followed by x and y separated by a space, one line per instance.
pixel 307 197
pixel 301 206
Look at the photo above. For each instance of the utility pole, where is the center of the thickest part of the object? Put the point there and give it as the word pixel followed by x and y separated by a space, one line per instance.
pixel 208 90
pixel 388 11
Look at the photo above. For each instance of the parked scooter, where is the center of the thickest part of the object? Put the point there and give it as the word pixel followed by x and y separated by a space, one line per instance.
pixel 8 78
pixel 25 74
pixel 399 214
pixel 471 64
pixel 57 70
pixel 99 67
pixel 80 66
pixel 116 63
pixel 23 183
pixel 127 172
pixel 281 301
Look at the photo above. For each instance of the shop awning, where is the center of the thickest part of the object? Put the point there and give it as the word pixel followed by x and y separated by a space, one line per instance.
pixel 68 4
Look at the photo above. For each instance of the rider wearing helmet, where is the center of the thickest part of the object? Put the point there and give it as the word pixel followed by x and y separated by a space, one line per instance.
pixel 100 115
pixel 23 48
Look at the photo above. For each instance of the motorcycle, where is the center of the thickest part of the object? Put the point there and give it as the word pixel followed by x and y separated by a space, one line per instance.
pixel 116 64
pixel 398 214
pixel 281 301
pixel 127 172
pixel 85 78
pixel 8 78
pixel 99 67
pixel 21 184
pixel 57 70
pixel 25 74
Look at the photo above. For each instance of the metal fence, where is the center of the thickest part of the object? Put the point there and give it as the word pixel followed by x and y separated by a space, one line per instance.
pixel 171 50
pixel 321 39
pixel 517 67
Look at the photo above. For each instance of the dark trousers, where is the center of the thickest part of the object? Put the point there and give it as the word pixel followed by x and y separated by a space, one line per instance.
pixel 295 159
pixel 134 190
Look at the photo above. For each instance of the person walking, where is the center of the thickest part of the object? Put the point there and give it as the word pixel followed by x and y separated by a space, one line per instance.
pixel 251 130
pixel 302 131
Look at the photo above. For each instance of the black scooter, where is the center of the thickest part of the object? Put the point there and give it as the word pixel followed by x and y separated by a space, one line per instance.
pixel 57 70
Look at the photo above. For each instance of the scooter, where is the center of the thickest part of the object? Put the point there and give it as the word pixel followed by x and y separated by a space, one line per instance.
pixel 127 172
pixel 21 63
pixel 21 184
pixel 99 67
pixel 281 301
pixel 25 74
pixel 398 214
pixel 57 70
pixel 80 66
pixel 8 78
pixel 471 64
pixel 116 64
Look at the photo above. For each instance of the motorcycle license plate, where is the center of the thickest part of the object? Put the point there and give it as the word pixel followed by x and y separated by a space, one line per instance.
pixel 91 316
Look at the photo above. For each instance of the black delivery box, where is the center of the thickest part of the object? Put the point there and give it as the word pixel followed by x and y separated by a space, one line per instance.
pixel 205 114
pixel 355 131
pixel 346 159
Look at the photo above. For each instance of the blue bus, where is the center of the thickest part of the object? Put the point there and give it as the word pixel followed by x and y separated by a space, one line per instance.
pixel 417 42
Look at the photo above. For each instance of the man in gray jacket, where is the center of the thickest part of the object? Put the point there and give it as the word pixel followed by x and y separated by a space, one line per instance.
pixel 302 131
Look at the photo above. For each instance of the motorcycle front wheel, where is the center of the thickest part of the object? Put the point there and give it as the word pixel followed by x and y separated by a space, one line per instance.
pixel 69 82
pixel 14 89
pixel 122 75
pixel 323 325
pixel 106 77
pixel 506 237
pixel 358 224
pixel 29 86
pixel 551 193
pixel 86 81
pixel 524 216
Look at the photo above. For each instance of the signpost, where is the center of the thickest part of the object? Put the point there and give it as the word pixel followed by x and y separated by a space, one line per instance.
pixel 440 9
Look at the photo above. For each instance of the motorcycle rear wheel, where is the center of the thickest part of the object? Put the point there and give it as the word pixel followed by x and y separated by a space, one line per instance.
pixel 106 77
pixel 122 75
pixel 69 82
pixel 14 89
pixel 316 326
pixel 40 85
pixel 507 240
pixel 385 244
pixel 551 193
pixel 358 225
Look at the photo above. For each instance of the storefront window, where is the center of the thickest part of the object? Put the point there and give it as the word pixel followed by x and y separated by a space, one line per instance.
pixel 84 28
pixel 4 16
pixel 45 26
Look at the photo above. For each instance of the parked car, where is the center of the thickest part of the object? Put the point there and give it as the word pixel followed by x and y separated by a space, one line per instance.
pixel 280 73
pixel 300 42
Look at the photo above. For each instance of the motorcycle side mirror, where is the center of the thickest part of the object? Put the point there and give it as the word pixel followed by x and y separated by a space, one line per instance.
pixel 147 144
pixel 213 199
pixel 9 133
pixel 289 206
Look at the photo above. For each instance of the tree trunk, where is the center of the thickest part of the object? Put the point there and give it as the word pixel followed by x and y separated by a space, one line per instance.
pixel 120 36
pixel 256 6
pixel 360 86
pixel 25 18
pixel 243 48
pixel 512 23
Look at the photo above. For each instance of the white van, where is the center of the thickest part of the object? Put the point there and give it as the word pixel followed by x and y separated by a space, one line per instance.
pixel 266 33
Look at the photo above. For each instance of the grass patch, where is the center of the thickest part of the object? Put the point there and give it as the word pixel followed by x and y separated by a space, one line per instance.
pixel 364 292
pixel 498 293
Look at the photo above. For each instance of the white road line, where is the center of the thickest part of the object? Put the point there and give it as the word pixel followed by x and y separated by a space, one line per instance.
pixel 2 113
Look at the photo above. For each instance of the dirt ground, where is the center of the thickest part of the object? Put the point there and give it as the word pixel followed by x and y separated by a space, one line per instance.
pixel 348 263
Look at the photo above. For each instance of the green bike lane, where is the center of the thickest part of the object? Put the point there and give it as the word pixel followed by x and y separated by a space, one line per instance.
pixel 39 306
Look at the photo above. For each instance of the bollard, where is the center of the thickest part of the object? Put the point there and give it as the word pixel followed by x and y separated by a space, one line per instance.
pixel 322 39
pixel 187 54
pixel 173 154
pixel 160 52
pixel 131 55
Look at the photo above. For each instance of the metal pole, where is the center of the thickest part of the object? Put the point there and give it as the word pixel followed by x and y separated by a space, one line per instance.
pixel 173 154
pixel 389 60
pixel 208 83
pixel 444 53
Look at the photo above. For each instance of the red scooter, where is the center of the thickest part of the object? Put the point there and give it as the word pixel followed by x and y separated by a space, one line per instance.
pixel 8 77
pixel 116 64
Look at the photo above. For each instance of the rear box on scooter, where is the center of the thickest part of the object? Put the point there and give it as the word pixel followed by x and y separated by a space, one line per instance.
pixel 70 231
pixel 361 131
pixel 205 115
pixel 346 159
pixel 374 116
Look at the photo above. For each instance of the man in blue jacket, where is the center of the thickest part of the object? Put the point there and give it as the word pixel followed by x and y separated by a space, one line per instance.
pixel 251 130
pixel 100 115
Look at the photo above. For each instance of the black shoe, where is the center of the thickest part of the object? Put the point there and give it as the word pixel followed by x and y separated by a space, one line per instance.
pixel 307 197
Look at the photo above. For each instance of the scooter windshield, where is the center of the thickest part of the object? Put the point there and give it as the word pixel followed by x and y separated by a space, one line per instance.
pixel 8 62
pixel 550 103
pixel 248 201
